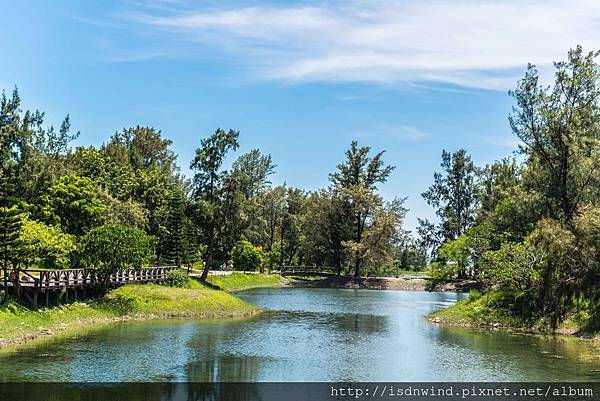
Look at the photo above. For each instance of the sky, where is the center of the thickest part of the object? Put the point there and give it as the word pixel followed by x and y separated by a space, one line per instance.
pixel 299 79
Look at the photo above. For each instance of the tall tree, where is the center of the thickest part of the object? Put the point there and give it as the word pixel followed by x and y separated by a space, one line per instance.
pixel 254 170
pixel 454 194
pixel 357 178
pixel 174 245
pixel 560 130
pixel 209 179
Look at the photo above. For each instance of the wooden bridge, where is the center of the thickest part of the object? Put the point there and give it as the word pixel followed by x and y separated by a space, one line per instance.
pixel 309 270
pixel 56 285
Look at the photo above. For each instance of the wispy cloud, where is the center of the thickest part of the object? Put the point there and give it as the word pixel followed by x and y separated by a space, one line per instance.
pixel 391 131
pixel 471 43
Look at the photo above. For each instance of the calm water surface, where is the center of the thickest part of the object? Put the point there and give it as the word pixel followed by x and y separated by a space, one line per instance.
pixel 310 335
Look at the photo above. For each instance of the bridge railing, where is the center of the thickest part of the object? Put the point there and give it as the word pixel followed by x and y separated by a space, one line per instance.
pixel 77 278
pixel 306 269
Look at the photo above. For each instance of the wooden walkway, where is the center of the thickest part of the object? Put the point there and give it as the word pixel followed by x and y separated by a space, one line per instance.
pixel 54 285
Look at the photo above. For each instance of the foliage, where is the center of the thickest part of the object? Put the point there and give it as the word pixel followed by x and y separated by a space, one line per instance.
pixel 46 246
pixel 254 170
pixel 178 278
pixel 112 246
pixel 73 202
pixel 356 180
pixel 246 257
pixel 214 190
pixel 454 195
pixel 514 265
pixel 10 226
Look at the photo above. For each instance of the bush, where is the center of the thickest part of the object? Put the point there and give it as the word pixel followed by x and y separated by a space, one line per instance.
pixel 178 278
pixel 246 256
pixel 113 246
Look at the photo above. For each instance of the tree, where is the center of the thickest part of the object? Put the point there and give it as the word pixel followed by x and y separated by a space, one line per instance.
pixel 209 186
pixel 559 127
pixel 73 202
pixel 326 227
pixel 381 233
pixel 246 257
pixel 142 148
pixel 113 246
pixel 46 246
pixel 454 195
pixel 180 245
pixel 254 169
pixel 357 179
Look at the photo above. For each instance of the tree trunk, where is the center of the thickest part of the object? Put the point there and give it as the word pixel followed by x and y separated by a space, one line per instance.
pixel 357 265
pixel 209 255
pixel 5 279
pixel 357 260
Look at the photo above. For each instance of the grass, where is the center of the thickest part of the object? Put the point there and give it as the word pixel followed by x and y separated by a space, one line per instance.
pixel 506 309
pixel 19 324
pixel 243 281
pixel 477 310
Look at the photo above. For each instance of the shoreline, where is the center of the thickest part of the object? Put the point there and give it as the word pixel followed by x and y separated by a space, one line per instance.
pixel 20 325
pixel 474 313
pixel 408 283
pixel 65 329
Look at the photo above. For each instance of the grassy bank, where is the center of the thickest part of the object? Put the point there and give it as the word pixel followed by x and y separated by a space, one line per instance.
pixel 242 281
pixel 500 309
pixel 19 324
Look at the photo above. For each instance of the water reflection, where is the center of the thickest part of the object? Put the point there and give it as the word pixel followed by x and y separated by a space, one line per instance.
pixel 311 335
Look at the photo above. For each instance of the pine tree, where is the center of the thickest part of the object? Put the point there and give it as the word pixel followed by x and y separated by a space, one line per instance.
pixel 10 227
pixel 176 236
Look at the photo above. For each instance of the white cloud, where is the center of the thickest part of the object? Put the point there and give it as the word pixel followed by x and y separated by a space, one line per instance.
pixel 483 44
pixel 391 131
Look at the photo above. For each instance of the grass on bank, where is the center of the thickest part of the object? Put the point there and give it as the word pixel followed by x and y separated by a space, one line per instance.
pixel 243 281
pixel 19 324
pixel 504 309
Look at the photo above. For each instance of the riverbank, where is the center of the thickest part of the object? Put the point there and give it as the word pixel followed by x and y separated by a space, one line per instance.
pixel 495 310
pixel 242 281
pixel 19 325
pixel 408 283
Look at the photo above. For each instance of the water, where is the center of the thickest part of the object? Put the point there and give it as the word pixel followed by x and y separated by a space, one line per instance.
pixel 310 335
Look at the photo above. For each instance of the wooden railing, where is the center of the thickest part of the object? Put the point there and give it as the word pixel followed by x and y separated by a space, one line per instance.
pixel 81 278
pixel 307 269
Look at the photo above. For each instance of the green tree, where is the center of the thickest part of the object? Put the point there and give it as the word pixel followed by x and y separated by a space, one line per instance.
pixel 246 256
pixel 113 246
pixel 254 170
pixel 558 126
pixel 326 227
pixel 357 179
pixel 180 244
pixel 73 202
pixel 46 246
pixel 210 189
pixel 454 194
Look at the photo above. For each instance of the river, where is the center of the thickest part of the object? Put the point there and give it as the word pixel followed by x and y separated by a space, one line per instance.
pixel 308 335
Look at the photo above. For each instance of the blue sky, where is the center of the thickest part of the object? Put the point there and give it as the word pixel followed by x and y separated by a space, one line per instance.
pixel 300 80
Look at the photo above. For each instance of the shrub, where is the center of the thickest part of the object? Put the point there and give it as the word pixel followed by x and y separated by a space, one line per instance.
pixel 246 256
pixel 178 278
pixel 113 246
